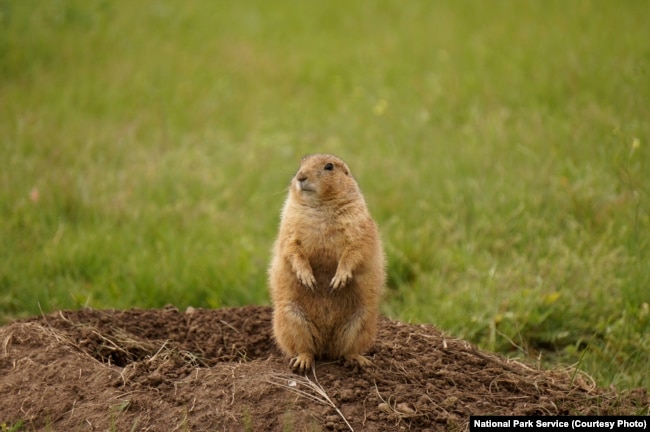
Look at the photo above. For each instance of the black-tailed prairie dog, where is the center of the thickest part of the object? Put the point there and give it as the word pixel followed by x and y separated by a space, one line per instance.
pixel 327 272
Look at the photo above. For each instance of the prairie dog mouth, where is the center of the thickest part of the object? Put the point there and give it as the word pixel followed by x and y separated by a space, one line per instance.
pixel 304 186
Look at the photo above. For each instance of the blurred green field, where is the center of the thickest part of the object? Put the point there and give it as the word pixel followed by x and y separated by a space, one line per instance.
pixel 503 148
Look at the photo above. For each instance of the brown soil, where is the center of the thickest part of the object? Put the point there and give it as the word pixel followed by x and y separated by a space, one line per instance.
pixel 218 370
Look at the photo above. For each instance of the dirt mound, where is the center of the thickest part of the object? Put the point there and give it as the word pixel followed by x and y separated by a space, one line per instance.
pixel 219 370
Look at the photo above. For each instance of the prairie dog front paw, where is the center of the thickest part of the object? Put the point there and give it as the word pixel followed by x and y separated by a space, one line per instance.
pixel 307 279
pixel 340 279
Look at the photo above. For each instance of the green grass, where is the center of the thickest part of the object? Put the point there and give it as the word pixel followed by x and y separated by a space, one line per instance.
pixel 503 147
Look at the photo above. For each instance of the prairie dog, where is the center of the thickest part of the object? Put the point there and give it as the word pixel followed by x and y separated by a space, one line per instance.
pixel 327 272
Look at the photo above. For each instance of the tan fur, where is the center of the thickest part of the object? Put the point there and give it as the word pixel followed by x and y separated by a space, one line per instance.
pixel 327 272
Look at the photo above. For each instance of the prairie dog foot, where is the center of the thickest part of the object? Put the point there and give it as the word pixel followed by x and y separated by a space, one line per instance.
pixel 302 362
pixel 360 360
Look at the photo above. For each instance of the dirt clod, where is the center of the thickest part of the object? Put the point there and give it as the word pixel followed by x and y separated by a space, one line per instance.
pixel 220 370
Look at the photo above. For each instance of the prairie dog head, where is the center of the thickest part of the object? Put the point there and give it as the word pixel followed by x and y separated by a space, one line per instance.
pixel 323 178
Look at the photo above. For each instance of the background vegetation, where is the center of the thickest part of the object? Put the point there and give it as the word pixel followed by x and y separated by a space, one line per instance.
pixel 503 147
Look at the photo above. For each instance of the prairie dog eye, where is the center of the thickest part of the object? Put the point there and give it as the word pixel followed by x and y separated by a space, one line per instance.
pixel 329 167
